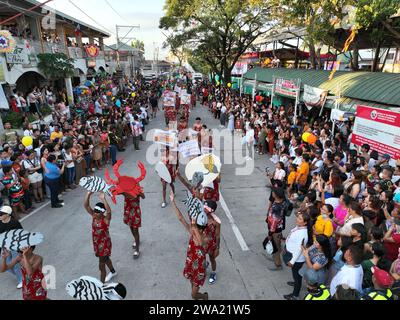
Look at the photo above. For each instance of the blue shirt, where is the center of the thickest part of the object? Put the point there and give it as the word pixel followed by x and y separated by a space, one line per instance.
pixel 52 171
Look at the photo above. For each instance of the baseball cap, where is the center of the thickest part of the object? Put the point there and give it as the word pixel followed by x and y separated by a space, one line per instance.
pixel 6 163
pixel 383 278
pixel 5 210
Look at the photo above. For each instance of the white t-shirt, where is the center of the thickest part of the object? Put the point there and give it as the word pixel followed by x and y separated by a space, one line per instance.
pixel 334 202
pixel 279 174
pixel 319 164
pixel 68 158
pixel 298 161
pixel 223 109
pixel 346 229
pixel 28 133
pixel 349 275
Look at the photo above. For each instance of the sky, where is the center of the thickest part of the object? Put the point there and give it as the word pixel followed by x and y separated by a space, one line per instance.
pixel 145 13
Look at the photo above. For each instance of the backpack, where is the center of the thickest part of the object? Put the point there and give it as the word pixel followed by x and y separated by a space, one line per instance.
pixel 287 208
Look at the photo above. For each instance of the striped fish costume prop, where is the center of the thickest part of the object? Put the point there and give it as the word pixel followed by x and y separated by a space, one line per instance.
pixel 95 184
pixel 196 210
pixel 90 289
pixel 16 240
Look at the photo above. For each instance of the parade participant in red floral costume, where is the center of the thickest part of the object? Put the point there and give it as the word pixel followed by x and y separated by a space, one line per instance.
pixel 101 218
pixel 195 266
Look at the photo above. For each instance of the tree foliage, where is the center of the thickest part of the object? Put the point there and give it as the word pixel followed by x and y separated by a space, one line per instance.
pixel 138 44
pixel 217 32
pixel 56 65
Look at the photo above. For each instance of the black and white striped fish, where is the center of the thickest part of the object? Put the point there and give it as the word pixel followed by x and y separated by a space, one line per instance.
pixel 95 184
pixel 195 206
pixel 89 288
pixel 15 240
pixel 86 288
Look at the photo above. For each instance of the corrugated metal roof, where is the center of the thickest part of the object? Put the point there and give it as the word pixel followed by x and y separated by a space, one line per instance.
pixel 369 86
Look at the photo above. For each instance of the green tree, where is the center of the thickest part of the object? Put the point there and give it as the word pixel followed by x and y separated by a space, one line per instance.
pixel 138 44
pixel 56 65
pixel 218 32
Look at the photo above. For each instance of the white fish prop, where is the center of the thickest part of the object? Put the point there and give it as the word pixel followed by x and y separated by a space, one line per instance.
pixel 15 240
pixel 91 289
pixel 196 209
pixel 95 184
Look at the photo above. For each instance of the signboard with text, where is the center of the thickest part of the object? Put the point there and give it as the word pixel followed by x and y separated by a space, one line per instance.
pixel 287 88
pixel 379 128
pixel 19 55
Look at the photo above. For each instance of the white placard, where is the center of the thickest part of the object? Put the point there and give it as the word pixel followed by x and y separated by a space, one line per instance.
pixel 166 138
pixel 189 149
pixel 20 55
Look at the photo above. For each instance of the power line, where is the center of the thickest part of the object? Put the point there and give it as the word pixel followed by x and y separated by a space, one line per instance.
pixel 116 12
pixel 91 18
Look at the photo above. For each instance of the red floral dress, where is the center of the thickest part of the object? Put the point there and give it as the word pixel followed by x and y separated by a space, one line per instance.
pixel 170 113
pixel 211 194
pixel 195 267
pixel 101 238
pixel 132 212
pixel 210 235
pixel 32 288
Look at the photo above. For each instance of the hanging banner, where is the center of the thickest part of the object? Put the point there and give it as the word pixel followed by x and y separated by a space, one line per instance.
pixel 166 138
pixel 189 149
pixel 314 97
pixel 240 68
pixel 287 88
pixel 92 51
pixel 379 128
pixel 7 42
pixel 338 115
pixel 19 55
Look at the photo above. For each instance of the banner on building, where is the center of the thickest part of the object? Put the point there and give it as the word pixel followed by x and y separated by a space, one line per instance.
pixel 19 55
pixel 314 97
pixel 7 42
pixel 339 115
pixel 240 68
pixel 189 149
pixel 287 88
pixel 166 138
pixel 379 128
pixel 92 51
pixel 3 100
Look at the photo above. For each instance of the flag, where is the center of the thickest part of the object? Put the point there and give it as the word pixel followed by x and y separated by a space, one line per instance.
pixel 78 30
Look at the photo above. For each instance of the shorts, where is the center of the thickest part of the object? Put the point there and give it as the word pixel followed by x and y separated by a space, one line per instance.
pixel 35 178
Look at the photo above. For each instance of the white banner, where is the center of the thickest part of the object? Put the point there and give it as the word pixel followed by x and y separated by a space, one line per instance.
pixel 185 99
pixel 166 138
pixel 20 55
pixel 169 99
pixel 314 97
pixel 189 149
pixel 3 100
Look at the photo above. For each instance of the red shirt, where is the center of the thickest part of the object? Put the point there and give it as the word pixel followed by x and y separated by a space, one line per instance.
pixel 392 248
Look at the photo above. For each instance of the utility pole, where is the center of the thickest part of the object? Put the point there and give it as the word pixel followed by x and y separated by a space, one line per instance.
pixel 123 39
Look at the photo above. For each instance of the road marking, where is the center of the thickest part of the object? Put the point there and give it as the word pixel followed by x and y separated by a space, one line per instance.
pixel 35 211
pixel 235 228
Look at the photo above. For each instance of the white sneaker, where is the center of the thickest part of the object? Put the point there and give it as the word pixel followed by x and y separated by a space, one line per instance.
pixel 110 276
pixel 163 205
pixel 19 286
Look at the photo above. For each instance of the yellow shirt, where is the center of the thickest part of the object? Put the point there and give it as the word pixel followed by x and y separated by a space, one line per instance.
pixel 302 172
pixel 323 226
pixel 292 177
pixel 56 135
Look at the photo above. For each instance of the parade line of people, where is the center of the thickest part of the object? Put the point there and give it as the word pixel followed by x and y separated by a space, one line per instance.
pixel 345 199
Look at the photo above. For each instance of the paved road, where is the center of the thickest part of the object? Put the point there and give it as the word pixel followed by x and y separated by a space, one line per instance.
pixel 157 274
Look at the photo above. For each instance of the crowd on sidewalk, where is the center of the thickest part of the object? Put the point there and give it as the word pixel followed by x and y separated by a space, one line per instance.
pixel 74 144
pixel 345 199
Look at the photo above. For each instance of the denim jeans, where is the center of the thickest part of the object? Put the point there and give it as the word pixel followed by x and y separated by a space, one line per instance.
pixel 113 153
pixel 88 160
pixel 17 268
pixel 70 176
pixel 54 185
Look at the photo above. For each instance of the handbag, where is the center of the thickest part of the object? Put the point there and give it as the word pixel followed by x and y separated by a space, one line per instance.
pixel 286 256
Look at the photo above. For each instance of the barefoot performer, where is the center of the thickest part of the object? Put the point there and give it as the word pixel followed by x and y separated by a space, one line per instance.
pixel 101 215
pixel 133 219
pixel 171 163
pixel 33 281
pixel 195 267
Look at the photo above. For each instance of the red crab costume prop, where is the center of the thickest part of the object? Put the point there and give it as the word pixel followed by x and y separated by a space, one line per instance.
pixel 125 184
